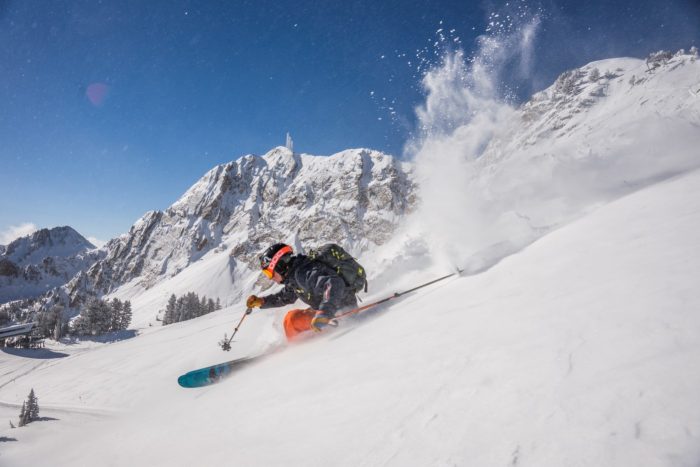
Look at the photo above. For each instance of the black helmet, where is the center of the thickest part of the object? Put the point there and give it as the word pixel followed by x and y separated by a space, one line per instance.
pixel 276 259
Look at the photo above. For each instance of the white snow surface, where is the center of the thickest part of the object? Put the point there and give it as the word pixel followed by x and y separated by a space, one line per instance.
pixel 581 349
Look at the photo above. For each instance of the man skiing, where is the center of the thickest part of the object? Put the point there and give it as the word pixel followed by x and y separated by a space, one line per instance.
pixel 308 279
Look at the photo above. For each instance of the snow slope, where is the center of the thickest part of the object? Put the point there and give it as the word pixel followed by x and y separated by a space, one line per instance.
pixel 581 349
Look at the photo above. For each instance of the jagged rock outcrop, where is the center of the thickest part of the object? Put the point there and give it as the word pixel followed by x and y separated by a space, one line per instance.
pixel 356 197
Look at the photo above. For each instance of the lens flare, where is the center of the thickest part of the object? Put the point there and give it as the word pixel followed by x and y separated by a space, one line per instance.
pixel 97 93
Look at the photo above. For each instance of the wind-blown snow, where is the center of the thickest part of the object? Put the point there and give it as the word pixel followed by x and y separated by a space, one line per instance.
pixel 491 174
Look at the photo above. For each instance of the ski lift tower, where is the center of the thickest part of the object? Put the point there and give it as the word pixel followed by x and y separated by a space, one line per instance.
pixel 290 144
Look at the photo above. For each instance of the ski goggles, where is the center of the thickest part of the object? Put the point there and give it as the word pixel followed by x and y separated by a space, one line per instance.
pixel 269 266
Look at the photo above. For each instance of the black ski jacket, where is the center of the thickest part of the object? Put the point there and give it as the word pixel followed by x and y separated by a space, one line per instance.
pixel 315 284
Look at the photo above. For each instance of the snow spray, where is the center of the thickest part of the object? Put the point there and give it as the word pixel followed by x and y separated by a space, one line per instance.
pixel 465 108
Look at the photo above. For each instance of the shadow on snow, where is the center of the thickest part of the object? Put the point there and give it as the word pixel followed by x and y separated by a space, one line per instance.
pixel 108 338
pixel 33 353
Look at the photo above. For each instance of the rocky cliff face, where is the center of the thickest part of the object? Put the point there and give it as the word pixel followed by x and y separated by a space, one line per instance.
pixel 355 197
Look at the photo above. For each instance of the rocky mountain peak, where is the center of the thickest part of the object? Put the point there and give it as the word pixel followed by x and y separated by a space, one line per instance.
pixel 59 242
pixel 356 197
pixel 47 258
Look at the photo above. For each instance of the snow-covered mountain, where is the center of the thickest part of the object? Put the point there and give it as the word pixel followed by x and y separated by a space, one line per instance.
pixel 609 127
pixel 356 197
pixel 597 133
pixel 47 258
pixel 59 242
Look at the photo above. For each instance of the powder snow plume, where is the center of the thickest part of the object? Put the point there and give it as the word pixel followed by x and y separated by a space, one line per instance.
pixel 493 178
pixel 465 108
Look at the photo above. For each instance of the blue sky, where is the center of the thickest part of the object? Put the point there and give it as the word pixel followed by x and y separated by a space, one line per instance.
pixel 110 109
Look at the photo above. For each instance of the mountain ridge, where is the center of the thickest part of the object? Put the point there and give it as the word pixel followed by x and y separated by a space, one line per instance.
pixel 47 258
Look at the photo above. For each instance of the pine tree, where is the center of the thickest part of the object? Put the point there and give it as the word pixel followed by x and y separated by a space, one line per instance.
pixel 125 316
pixel 169 316
pixel 91 316
pixel 116 315
pixel 32 406
pixel 95 318
pixel 59 326
pixel 192 305
pixel 187 307
pixel 23 415
pixel 202 308
pixel 105 318
pixel 180 309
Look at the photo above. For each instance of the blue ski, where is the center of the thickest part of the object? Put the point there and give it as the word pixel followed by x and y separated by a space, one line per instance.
pixel 213 374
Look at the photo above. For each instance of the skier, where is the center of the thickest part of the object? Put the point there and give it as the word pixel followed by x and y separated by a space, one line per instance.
pixel 312 281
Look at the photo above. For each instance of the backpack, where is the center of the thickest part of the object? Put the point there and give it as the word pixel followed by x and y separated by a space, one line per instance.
pixel 343 263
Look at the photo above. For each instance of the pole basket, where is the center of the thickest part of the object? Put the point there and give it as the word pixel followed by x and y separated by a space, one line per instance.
pixel 225 344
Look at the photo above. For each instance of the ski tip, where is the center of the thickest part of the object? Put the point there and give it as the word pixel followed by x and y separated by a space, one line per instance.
pixel 193 380
pixel 182 381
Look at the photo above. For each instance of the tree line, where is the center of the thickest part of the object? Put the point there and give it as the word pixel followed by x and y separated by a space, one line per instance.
pixel 96 317
pixel 99 317
pixel 188 306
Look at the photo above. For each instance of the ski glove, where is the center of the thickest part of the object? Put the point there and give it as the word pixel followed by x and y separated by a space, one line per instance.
pixel 254 301
pixel 321 321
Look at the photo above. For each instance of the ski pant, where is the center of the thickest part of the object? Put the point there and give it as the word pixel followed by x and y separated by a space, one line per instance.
pixel 298 321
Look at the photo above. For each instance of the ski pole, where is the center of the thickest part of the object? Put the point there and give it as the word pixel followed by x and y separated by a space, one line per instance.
pixel 226 344
pixel 396 295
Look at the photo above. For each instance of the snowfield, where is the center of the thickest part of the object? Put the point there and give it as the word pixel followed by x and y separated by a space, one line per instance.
pixel 580 349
